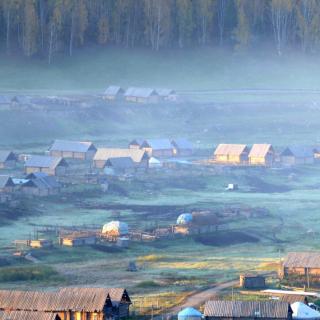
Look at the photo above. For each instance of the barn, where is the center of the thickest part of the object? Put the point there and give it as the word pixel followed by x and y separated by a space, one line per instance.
pixel 70 303
pixel 141 95
pixel 158 147
pixel 53 166
pixel 113 93
pixel 302 265
pixel 261 155
pixel 230 310
pixel 231 154
pixel 182 147
pixel 82 150
pixel 7 159
pixel 139 157
pixel 297 155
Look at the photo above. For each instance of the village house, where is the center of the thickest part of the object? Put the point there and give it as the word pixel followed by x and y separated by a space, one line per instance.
pixel 77 239
pixel 40 243
pixel 82 150
pixel 158 147
pixel 231 154
pixel 113 93
pixel 252 281
pixel 301 265
pixel 139 157
pixel 7 159
pixel 297 155
pixel 230 310
pixel 28 315
pixel 53 166
pixel 6 184
pixel 182 147
pixel 167 94
pixel 70 303
pixel 141 95
pixel 119 166
pixel 261 155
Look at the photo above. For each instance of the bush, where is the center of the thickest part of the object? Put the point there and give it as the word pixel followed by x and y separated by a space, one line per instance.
pixel 148 284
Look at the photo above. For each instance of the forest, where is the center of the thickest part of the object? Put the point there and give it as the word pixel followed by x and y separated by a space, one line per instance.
pixel 44 28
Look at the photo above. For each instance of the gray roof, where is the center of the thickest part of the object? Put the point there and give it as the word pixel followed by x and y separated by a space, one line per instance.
pixel 6 155
pixel 299 151
pixel 164 92
pixel 140 92
pixel 158 144
pixel 247 309
pixel 113 91
pixel 120 163
pixel 302 260
pixel 36 161
pixel 182 143
pixel 6 181
pixel 72 146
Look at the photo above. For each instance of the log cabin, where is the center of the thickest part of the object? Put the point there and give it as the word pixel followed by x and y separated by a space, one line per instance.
pixel 113 93
pixel 261 155
pixel 230 310
pixel 7 159
pixel 141 95
pixel 81 150
pixel 70 303
pixel 53 166
pixel 158 147
pixel 231 154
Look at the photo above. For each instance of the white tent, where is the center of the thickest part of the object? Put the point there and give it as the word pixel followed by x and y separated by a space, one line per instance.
pixel 302 311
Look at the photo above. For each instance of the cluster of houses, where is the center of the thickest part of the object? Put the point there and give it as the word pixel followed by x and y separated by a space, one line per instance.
pixel 139 95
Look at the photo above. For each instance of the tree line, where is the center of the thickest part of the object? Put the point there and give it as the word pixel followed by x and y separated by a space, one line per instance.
pixel 45 27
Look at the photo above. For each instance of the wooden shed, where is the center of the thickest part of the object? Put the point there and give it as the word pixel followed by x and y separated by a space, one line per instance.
pixel 41 243
pixel 113 93
pixel 6 184
pixel 82 150
pixel 231 154
pixel 53 166
pixel 78 239
pixel 182 147
pixel 252 281
pixel 7 159
pixel 297 155
pixel 261 155
pixel 119 166
pixel 250 310
pixel 158 147
pixel 141 95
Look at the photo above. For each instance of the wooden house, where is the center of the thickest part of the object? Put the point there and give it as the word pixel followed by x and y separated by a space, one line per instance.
pixel 113 93
pixel 182 147
pixel 41 243
pixel 139 157
pixel 6 184
pixel 261 155
pixel 28 315
pixel 167 94
pixel 158 147
pixel 231 154
pixel 141 95
pixel 119 166
pixel 301 265
pixel 250 310
pixel 252 281
pixel 297 155
pixel 7 159
pixel 70 303
pixel 53 166
pixel 82 150
pixel 77 239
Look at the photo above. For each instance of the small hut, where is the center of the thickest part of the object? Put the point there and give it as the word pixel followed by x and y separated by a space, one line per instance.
pixel 252 281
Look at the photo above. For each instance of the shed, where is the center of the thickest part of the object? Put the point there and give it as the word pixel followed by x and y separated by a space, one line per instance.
pixel 302 311
pixel 261 155
pixel 82 150
pixel 182 147
pixel 7 159
pixel 297 155
pixel 6 184
pixel 252 281
pixel 113 93
pixel 231 154
pixel 77 239
pixel 189 314
pixel 158 147
pixel 119 165
pixel 47 164
pixel 166 94
pixel 41 243
pixel 141 95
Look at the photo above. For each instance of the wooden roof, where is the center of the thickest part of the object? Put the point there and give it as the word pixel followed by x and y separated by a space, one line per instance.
pixel 260 150
pixel 247 309
pixel 292 298
pixel 302 260
pixel 37 161
pixel 28 315
pixel 103 154
pixel 72 146
pixel 230 149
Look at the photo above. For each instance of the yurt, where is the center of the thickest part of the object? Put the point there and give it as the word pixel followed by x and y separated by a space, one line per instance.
pixel 184 218
pixel 189 314
pixel 302 311
pixel 115 228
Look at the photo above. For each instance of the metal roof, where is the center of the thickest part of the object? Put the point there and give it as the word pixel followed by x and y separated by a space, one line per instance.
pixel 182 143
pixel 44 162
pixel 120 163
pixel 27 315
pixel 260 150
pixel 113 90
pixel 158 144
pixel 247 309
pixel 6 155
pixel 6 181
pixel 230 149
pixel 302 260
pixel 72 146
pixel 140 92
pixel 103 154
pixel 299 151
